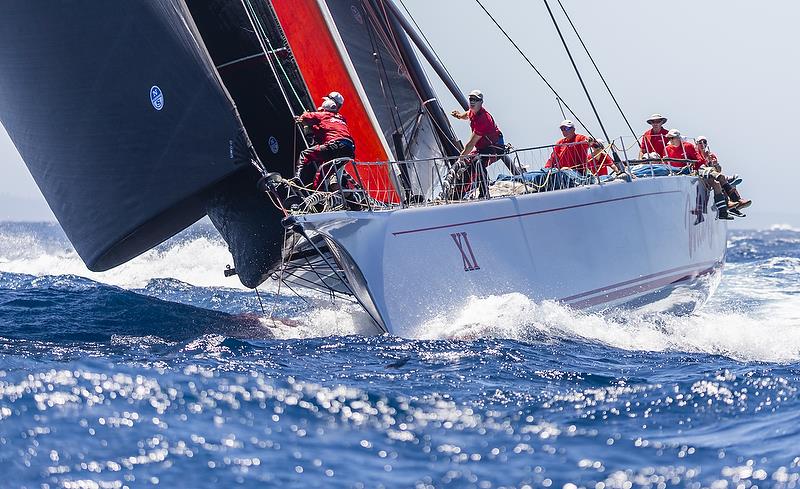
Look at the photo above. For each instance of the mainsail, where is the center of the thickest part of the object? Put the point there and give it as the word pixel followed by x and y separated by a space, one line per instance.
pixel 138 118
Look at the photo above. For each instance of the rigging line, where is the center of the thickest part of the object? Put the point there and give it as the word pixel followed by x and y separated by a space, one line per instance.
pixel 448 136
pixel 392 45
pixel 251 17
pixel 261 36
pixel 561 108
pixel 577 71
pixel 263 312
pixel 597 69
pixel 248 8
pixel 382 73
pixel 534 68
pixel 273 51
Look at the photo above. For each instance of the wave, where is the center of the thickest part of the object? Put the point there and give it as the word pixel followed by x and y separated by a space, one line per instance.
pixel 768 334
pixel 754 316
pixel 196 256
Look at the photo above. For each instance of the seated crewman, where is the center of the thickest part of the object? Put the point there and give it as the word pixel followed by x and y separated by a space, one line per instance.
pixel 678 149
pixel 599 163
pixel 332 136
pixel 712 170
pixel 571 151
pixel 654 139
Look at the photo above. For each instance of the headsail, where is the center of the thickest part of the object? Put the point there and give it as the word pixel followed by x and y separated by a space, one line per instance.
pixel 120 117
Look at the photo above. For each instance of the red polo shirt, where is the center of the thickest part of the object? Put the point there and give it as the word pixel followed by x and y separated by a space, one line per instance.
pixel 654 142
pixel 482 124
pixel 687 151
pixel 566 155
pixel 327 126
pixel 601 164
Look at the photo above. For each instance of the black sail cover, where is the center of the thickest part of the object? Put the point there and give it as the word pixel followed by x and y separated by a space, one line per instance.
pixel 120 117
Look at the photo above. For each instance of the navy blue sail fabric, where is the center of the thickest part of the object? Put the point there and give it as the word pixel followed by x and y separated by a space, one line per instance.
pixel 380 56
pixel 120 117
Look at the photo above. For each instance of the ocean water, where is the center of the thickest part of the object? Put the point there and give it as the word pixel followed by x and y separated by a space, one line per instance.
pixel 162 373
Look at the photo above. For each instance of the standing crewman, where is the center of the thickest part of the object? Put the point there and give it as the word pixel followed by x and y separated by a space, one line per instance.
pixel 486 142
pixel 332 137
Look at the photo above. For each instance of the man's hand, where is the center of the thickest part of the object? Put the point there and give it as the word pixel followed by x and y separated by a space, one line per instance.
pixel 456 114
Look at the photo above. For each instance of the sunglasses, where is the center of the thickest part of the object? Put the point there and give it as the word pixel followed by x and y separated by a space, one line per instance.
pixel 474 99
pixel 565 128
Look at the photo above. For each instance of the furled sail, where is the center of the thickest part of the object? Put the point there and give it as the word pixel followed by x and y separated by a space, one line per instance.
pixel 120 117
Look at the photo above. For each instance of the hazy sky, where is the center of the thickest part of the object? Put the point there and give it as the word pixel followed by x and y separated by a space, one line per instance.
pixel 724 69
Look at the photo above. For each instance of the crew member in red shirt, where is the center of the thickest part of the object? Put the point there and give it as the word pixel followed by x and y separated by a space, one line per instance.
pixel 332 137
pixel 711 171
pixel 600 163
pixel 571 151
pixel 485 143
pixel 679 149
pixel 655 138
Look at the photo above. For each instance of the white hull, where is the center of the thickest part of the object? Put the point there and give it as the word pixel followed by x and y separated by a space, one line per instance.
pixel 590 247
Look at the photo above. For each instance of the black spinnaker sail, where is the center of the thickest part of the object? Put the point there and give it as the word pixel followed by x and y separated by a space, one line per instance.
pixel 120 117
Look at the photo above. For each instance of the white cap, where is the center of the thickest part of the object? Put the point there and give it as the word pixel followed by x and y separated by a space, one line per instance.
pixel 477 94
pixel 656 117
pixel 567 123
pixel 674 133
pixel 701 138
pixel 329 105
pixel 336 97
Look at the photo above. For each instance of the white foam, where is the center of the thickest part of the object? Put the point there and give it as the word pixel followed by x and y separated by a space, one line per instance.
pixel 324 319
pixel 770 334
pixel 784 227
pixel 198 261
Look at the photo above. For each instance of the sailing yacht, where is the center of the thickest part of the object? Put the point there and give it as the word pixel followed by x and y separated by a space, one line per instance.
pixel 138 119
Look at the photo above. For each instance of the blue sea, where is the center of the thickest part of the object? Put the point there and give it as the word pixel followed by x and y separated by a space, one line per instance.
pixel 164 373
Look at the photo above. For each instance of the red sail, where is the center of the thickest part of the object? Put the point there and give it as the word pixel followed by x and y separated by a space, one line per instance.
pixel 320 57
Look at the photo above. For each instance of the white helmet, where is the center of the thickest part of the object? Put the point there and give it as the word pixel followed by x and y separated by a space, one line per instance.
pixel 329 105
pixel 336 97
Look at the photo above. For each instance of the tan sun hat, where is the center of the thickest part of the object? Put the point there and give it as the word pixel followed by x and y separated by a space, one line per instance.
pixel 656 117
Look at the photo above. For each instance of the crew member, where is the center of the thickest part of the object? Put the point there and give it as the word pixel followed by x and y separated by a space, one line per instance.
pixel 600 163
pixel 654 139
pixel 332 137
pixel 711 170
pixel 485 143
pixel 678 149
pixel 571 151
